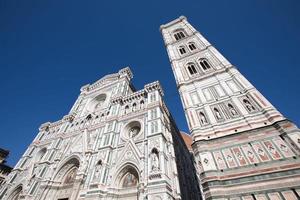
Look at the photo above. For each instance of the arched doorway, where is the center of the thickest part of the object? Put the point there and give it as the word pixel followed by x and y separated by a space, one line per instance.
pixel 66 177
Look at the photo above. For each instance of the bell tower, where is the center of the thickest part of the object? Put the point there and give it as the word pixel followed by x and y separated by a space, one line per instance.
pixel 243 146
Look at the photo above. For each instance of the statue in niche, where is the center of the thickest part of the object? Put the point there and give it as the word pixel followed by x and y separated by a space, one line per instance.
pixel 217 114
pixel 98 170
pixel 129 180
pixel 134 107
pixel 248 105
pixel 232 110
pixel 142 104
pixel 203 119
pixel 154 161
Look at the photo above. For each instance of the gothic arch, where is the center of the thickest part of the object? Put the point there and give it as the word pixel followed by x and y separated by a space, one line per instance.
pixel 66 166
pixel 15 193
pixel 127 172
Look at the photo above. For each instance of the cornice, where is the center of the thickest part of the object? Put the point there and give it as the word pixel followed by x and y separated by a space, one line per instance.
pixel 44 126
pixel 154 86
pixel 175 21
pixel 125 72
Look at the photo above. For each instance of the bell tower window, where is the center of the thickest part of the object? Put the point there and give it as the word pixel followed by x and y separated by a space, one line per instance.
pixel 192 69
pixel 179 35
pixel 182 50
pixel 192 46
pixel 204 64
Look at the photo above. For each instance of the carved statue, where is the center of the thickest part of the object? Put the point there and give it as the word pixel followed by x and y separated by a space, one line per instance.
pixel 217 114
pixel 232 110
pixel 248 105
pixel 203 119
pixel 154 161
pixel 97 171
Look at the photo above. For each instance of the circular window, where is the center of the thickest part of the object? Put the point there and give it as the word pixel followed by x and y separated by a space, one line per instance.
pixel 96 103
pixel 99 101
pixel 132 129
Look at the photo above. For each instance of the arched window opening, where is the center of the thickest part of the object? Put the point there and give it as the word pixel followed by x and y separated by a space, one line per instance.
pixel 192 69
pixel 182 50
pixel 192 46
pixel 142 103
pixel 179 35
pixel 134 107
pixel 89 117
pixel 204 64
pixel 126 109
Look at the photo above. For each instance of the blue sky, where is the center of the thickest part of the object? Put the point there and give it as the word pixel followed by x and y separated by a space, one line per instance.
pixel 50 48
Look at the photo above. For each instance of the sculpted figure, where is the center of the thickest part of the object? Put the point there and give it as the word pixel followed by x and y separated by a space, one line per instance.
pixel 154 161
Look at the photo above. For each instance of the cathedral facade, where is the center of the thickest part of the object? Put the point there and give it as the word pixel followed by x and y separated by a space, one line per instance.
pixel 116 143
pixel 120 143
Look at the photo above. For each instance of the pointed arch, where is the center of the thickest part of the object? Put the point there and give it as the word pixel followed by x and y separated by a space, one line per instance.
pixel 16 192
pixel 127 176
pixel 65 168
